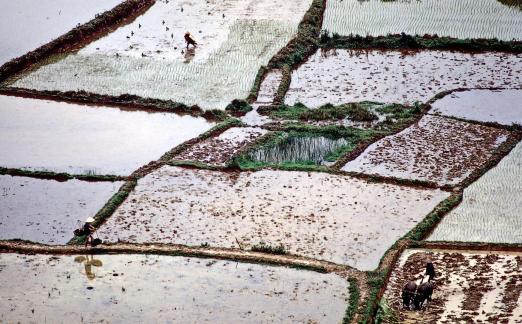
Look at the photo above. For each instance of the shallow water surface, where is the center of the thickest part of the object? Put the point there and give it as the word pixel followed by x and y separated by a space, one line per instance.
pixel 498 106
pixel 79 139
pixel 317 215
pixel 151 288
pixel 48 211
pixel 455 18
pixel 490 209
pixel 28 24
pixel 299 148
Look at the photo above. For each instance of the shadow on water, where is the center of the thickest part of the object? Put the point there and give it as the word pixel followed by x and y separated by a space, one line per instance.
pixel 88 262
pixel 292 148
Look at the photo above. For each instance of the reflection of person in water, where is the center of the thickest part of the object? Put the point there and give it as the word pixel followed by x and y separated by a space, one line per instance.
pixel 88 265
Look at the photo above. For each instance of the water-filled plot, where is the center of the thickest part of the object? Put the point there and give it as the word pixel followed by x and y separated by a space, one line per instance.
pixel 152 288
pixel 490 209
pixel 148 57
pixel 496 106
pixel 470 286
pixel 221 149
pixel 266 95
pixel 454 18
pixel 48 211
pixel 436 149
pixel 317 215
pixel 27 24
pixel 79 139
pixel 342 76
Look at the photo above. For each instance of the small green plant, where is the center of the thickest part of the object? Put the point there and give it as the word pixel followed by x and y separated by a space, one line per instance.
pixel 262 247
pixel 238 106
pixel 385 314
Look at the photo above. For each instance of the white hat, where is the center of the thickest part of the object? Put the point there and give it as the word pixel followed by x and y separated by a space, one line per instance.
pixel 89 220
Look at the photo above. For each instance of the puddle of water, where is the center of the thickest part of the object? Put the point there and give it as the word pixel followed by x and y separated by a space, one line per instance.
pixel 134 288
pixel 299 148
pixel 78 139
pixel 39 22
pixel 490 210
pixel 220 150
pixel 470 286
pixel 318 215
pixel 343 76
pixel 499 106
pixel 48 211
pixel 435 149
pixel 234 39
pixel 460 19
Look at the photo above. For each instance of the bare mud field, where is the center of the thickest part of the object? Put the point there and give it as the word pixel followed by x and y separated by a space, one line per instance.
pixel 148 57
pixel 28 24
pixel 342 76
pixel 148 288
pixel 316 215
pixel 219 151
pixel 79 139
pixel 490 209
pixel 436 149
pixel 497 106
pixel 47 211
pixel 470 287
pixel 460 19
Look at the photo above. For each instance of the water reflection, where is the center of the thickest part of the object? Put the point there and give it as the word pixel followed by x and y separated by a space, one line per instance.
pixel 88 263
pixel 299 148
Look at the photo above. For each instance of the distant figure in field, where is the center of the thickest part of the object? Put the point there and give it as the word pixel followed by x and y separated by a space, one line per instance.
pixel 88 230
pixel 189 40
pixel 430 270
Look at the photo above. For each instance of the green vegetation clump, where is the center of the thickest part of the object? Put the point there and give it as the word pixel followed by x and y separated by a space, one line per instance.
pixel 262 247
pixel 238 107
pixel 375 280
pixel 385 314
pixel 353 302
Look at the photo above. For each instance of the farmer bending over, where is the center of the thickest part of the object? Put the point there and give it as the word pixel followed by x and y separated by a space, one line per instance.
pixel 189 40
pixel 88 229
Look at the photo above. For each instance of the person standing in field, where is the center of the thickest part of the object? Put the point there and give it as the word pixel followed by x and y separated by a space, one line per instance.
pixel 189 40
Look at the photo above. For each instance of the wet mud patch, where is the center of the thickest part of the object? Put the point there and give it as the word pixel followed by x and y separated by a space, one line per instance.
pixel 462 19
pixel 470 287
pixel 493 106
pixel 490 209
pixel 220 150
pixel 436 149
pixel 48 211
pixel 149 58
pixel 134 288
pixel 45 135
pixel 341 76
pixel 316 215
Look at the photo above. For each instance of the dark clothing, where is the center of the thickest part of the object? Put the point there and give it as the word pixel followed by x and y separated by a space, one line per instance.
pixel 88 229
pixel 430 270
pixel 189 40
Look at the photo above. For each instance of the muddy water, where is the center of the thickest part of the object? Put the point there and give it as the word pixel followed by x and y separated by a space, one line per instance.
pixel 436 149
pixel 299 148
pixel 234 39
pixel 470 286
pixel 490 210
pixel 455 18
pixel 220 150
pixel 342 76
pixel 499 106
pixel 317 215
pixel 28 24
pixel 47 211
pixel 149 288
pixel 64 137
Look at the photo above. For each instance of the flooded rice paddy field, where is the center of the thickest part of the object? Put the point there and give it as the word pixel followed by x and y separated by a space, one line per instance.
pixel 490 210
pixel 265 96
pixel 220 150
pixel 341 76
pixel 48 211
pixel 470 287
pixel 47 21
pixel 148 288
pixel 454 18
pixel 435 149
pixel 317 215
pixel 79 139
pixel 148 57
pixel 497 106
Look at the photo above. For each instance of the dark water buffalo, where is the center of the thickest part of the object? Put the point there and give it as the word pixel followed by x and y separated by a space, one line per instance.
pixel 408 293
pixel 424 292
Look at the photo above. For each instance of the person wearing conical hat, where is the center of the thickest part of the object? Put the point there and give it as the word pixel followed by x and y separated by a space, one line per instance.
pixel 88 230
